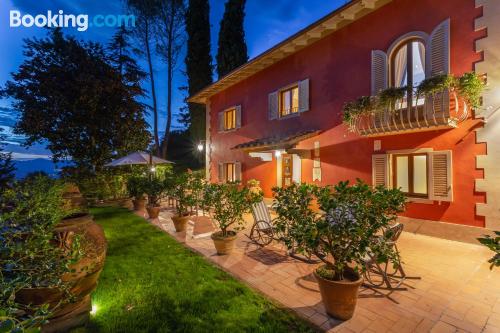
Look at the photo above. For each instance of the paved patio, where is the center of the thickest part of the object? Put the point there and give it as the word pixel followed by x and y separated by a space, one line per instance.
pixel 457 291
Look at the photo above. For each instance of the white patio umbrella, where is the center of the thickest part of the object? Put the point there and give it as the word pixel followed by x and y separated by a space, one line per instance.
pixel 138 157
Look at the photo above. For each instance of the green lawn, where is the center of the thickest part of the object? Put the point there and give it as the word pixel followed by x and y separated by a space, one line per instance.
pixel 151 283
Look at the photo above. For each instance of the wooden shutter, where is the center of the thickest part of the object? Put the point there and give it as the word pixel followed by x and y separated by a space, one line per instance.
pixel 221 177
pixel 273 105
pixel 379 71
pixel 304 95
pixel 221 121
pixel 238 116
pixel 438 50
pixel 440 176
pixel 380 170
pixel 237 171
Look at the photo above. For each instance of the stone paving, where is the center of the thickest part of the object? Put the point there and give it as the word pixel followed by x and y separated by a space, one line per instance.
pixel 456 293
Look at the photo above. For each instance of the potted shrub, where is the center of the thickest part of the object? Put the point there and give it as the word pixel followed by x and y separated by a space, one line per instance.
pixel 182 190
pixel 344 235
pixel 52 254
pixel 254 186
pixel 228 203
pixel 154 189
pixel 135 190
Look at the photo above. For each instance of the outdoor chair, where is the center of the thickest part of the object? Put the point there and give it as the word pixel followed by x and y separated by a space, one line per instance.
pixel 390 274
pixel 262 232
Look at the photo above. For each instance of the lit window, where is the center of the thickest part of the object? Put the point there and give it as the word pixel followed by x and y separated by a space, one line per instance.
pixel 408 68
pixel 229 171
pixel 229 119
pixel 411 174
pixel 289 101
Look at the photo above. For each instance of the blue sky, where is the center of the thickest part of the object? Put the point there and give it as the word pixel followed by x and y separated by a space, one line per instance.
pixel 266 23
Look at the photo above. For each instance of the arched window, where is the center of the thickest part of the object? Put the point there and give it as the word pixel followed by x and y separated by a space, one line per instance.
pixel 408 66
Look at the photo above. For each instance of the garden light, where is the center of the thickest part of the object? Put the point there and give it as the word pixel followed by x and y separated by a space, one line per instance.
pixel 94 310
pixel 153 169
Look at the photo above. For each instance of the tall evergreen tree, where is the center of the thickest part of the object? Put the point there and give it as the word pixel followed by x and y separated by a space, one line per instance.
pixel 198 62
pixel 69 95
pixel 232 51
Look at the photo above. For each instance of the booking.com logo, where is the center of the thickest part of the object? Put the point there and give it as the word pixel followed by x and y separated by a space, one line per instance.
pixel 62 20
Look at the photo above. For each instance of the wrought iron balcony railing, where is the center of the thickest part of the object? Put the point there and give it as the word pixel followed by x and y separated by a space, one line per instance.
pixel 440 111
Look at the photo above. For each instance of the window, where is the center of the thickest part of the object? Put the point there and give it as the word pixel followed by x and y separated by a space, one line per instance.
pixel 289 101
pixel 229 119
pixel 229 172
pixel 408 68
pixel 410 173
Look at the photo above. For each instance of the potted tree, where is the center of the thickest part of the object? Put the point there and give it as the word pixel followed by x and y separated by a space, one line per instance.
pixel 181 189
pixel 344 235
pixel 135 190
pixel 228 203
pixel 154 189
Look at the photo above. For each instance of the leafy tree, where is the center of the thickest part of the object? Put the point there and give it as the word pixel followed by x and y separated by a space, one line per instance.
pixel 6 166
pixel 198 62
pixel 146 18
pixel 232 51
pixel 170 32
pixel 70 95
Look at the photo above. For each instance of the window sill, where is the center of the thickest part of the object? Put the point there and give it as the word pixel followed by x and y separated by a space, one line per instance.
pixel 421 200
pixel 229 130
pixel 288 116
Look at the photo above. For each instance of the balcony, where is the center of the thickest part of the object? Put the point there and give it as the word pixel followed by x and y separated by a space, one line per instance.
pixel 444 110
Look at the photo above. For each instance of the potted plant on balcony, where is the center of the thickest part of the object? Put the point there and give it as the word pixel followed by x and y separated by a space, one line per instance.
pixel 228 202
pixel 344 235
pixel 183 189
pixel 135 190
pixel 154 189
pixel 352 111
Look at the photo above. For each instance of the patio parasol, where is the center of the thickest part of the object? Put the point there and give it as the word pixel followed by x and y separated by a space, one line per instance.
pixel 138 157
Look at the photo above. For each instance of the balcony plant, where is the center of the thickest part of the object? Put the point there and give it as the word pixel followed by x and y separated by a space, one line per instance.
pixel 391 99
pixel 344 235
pixel 353 110
pixel 228 202
pixel 184 188
pixel 136 191
pixel 155 189
pixel 493 243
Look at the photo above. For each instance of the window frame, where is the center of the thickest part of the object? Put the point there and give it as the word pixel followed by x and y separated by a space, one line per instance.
pixel 281 109
pixel 231 110
pixel 409 67
pixel 226 171
pixel 411 193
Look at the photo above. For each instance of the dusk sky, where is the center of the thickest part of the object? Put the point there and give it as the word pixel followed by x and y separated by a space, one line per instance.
pixel 266 23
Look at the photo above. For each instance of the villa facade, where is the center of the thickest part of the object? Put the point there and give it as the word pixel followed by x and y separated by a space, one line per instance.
pixel 278 118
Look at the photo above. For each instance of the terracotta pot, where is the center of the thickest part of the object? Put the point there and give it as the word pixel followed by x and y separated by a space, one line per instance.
pixel 180 222
pixel 340 297
pixel 153 211
pixel 139 204
pixel 224 244
pixel 81 281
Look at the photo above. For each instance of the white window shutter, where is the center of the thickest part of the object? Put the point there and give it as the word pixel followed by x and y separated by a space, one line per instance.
pixel 221 177
pixel 304 95
pixel 380 170
pixel 441 176
pixel 379 72
pixel 238 116
pixel 221 121
pixel 273 105
pixel 237 171
pixel 438 50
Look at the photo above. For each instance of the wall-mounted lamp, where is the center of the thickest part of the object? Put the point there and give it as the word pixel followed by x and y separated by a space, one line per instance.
pixel 200 147
pixel 277 153
pixel 153 169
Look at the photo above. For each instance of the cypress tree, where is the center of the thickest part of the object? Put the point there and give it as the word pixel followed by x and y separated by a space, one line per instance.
pixel 232 51
pixel 198 62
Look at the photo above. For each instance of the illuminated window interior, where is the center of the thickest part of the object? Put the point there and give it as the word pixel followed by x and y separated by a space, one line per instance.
pixel 230 119
pixel 289 101
pixel 411 174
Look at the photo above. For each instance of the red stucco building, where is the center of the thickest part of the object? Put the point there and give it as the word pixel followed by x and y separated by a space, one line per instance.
pixel 278 118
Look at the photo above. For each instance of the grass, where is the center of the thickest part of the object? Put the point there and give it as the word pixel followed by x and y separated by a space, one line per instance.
pixel 151 283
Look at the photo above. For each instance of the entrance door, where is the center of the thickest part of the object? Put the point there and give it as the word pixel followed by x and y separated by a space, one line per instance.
pixel 287 169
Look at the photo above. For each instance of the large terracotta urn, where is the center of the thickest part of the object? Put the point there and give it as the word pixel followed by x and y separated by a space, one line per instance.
pixel 85 273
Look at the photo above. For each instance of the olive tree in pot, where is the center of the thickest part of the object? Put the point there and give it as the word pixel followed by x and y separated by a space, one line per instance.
pixel 345 234
pixel 181 189
pixel 154 189
pixel 228 202
pixel 136 191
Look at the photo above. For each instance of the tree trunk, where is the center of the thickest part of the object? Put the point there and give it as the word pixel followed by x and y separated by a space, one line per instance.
pixel 170 71
pixel 153 94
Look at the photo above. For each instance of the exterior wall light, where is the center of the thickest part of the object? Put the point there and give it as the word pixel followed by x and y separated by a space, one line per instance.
pixel 200 147
pixel 153 169
pixel 277 153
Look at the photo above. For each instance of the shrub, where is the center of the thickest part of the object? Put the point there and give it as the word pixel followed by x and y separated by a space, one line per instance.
pixel 186 188
pixel 154 188
pixel 493 243
pixel 135 187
